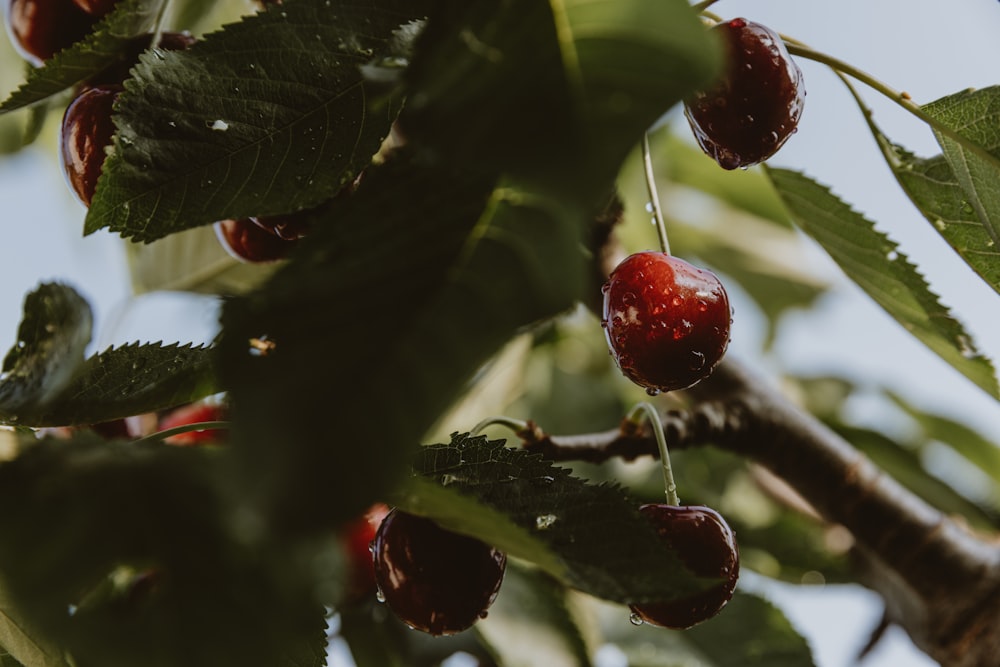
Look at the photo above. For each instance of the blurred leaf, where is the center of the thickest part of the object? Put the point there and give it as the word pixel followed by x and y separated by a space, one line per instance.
pixel 226 129
pixel 906 467
pixel 111 41
pixel 530 624
pixel 974 114
pixel 590 536
pixel 51 339
pixel 22 643
pixel 873 262
pixel 932 186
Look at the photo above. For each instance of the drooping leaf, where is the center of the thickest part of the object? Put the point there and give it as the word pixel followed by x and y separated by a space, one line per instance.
pixel 227 129
pixel 417 279
pixel 530 623
pixel 112 40
pixel 975 115
pixel 51 340
pixel 871 260
pixel 933 187
pixel 590 536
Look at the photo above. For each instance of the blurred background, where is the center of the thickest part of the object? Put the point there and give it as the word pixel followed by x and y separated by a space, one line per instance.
pixel 830 330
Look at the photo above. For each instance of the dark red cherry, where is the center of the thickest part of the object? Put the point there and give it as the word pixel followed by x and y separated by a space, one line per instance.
pixel 432 579
pixel 358 537
pixel 96 7
pixel 666 322
pixel 707 546
pixel 41 28
pixel 750 113
pixel 248 242
pixel 87 130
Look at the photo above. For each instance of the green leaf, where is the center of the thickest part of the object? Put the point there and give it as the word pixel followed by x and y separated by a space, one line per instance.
pixel 975 115
pixel 112 41
pixel 603 545
pixel 51 341
pixel 871 260
pixel 21 641
pixel 128 380
pixel 934 189
pixel 531 624
pixel 227 129
pixel 377 303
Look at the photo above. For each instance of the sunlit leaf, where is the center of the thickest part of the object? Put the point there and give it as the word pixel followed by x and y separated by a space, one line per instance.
pixel 872 261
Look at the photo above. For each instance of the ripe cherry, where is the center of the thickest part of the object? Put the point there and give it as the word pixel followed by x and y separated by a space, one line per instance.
pixel 87 130
pixel 358 537
pixel 666 322
pixel 432 579
pixel 707 546
pixel 247 241
pixel 41 28
pixel 96 7
pixel 749 114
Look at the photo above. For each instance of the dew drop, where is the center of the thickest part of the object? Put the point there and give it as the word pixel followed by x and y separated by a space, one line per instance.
pixel 371 547
pixel 892 255
pixel 484 614
pixel 379 595
pixel 635 619
pixel 652 391
pixel 649 207
pixel 218 125
pixel 545 521
pixel 697 361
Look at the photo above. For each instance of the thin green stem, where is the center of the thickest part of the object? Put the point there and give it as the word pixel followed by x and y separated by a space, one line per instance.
pixel 669 486
pixel 702 6
pixel 654 196
pixel 186 428
pixel 902 99
pixel 516 425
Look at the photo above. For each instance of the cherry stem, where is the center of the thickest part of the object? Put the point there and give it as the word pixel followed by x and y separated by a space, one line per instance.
pixel 903 99
pixel 186 428
pixel 670 487
pixel 654 196
pixel 516 425
pixel 702 6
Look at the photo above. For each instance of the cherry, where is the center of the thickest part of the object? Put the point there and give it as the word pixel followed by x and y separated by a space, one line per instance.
pixel 432 579
pixel 247 241
pixel 290 227
pixel 666 322
pixel 357 537
pixel 749 114
pixel 96 7
pixel 41 28
pixel 707 546
pixel 87 130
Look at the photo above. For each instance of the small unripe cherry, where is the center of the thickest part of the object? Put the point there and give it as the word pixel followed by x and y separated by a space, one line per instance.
pixel 706 545
pixel 666 322
pixel 435 580
pixel 87 131
pixel 748 114
pixel 41 28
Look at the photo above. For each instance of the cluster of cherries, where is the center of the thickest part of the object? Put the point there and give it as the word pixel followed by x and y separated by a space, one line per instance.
pixel 667 322
pixel 41 28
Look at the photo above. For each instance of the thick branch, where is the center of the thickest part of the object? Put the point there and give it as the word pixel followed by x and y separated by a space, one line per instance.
pixel 940 580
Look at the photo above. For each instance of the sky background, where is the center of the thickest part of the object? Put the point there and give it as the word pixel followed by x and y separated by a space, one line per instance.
pixel 929 48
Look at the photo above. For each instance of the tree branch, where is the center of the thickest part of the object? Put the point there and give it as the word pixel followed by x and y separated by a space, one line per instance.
pixel 940 581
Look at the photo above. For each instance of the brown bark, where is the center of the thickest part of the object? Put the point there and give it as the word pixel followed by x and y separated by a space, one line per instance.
pixel 940 582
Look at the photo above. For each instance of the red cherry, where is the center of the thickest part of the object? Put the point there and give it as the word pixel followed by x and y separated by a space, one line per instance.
pixel 432 579
pixel 96 7
pixel 41 28
pixel 750 113
pixel 249 242
pixel 666 322
pixel 87 131
pixel 707 546
pixel 358 537
pixel 194 413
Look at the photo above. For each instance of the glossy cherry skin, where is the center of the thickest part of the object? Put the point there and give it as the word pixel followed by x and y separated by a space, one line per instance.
pixel 707 546
pixel 432 579
pixel 249 242
pixel 96 7
pixel 358 537
pixel 87 131
pixel 666 322
pixel 41 28
pixel 752 111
